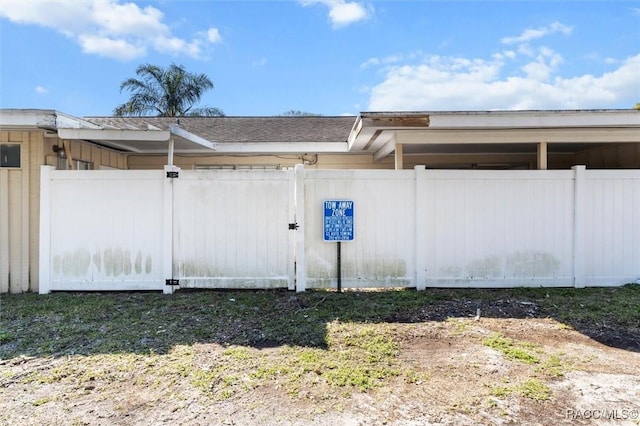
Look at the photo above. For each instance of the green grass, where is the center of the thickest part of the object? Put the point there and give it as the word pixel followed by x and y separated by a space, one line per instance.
pixel 530 388
pixel 511 349
pixel 535 389
pixel 88 323
pixel 348 341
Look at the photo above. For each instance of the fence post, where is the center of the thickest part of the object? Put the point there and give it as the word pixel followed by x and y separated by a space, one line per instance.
pixel 167 227
pixel 419 234
pixel 45 230
pixel 301 255
pixel 578 225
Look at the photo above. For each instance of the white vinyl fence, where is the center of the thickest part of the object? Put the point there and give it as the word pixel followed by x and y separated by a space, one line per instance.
pixel 231 229
pixel 129 230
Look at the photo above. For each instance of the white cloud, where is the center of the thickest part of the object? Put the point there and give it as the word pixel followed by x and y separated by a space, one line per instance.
pixel 342 12
pixel 391 59
pixel 41 90
pixel 110 48
pixel 535 33
pixel 213 35
pixel 522 79
pixel 110 28
pixel 458 84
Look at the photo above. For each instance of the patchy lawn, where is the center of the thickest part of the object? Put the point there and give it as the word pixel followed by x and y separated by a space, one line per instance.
pixel 533 356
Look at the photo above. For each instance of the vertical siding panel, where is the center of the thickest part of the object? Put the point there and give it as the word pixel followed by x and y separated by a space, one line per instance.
pixel 4 230
pixel 16 238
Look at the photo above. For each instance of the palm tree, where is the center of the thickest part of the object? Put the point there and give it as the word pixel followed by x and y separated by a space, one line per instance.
pixel 169 92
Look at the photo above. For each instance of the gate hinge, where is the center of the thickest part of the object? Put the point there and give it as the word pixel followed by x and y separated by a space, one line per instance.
pixel 293 226
pixel 172 281
pixel 173 174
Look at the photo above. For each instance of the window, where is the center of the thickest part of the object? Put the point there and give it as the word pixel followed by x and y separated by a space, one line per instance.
pixel 77 164
pixel 9 155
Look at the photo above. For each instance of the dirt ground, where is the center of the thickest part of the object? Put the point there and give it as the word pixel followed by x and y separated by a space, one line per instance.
pixel 584 376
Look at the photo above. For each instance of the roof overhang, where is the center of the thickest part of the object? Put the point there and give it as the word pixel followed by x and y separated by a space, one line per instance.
pixel 380 132
pixel 150 141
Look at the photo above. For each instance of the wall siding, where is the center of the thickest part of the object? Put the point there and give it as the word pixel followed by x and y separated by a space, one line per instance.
pixel 19 198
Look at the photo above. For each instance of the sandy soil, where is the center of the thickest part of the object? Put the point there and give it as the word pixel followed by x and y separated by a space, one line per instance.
pixel 461 381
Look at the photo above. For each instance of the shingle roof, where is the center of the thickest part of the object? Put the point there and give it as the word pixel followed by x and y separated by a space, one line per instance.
pixel 244 129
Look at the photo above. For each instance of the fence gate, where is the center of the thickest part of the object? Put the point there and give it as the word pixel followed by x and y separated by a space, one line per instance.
pixel 231 229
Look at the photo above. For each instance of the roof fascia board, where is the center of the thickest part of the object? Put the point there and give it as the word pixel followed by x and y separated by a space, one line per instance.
pixel 507 119
pixel 538 119
pixel 354 134
pixel 21 118
pixel 178 131
pixel 467 136
pixel 115 135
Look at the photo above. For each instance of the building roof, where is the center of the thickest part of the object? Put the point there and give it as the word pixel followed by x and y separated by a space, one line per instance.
pixel 243 129
pixel 377 133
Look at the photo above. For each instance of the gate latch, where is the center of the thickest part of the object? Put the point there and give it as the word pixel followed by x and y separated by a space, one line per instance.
pixel 172 174
pixel 293 226
pixel 172 281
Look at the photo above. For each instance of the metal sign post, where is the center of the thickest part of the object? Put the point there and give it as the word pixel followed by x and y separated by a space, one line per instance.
pixel 338 226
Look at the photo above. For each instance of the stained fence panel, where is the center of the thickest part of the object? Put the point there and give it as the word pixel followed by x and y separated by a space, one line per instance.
pixel 611 227
pixel 105 230
pixel 231 229
pixel 507 228
pixel 382 253
pixel 128 230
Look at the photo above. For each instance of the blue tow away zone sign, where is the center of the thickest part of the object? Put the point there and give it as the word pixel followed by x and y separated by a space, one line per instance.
pixel 338 220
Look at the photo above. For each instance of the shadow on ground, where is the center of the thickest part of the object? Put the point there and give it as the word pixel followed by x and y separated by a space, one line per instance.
pixel 61 324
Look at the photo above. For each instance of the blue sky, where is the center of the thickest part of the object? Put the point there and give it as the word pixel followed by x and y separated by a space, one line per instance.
pixel 329 57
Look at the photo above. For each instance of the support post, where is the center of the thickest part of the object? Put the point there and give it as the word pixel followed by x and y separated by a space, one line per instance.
pixel 67 151
pixel 578 226
pixel 399 156
pixel 542 156
pixel 170 153
pixel 339 270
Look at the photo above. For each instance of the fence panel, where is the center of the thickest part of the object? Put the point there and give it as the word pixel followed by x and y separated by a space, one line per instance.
pixel 497 228
pixel 104 230
pixel 231 229
pixel 611 227
pixel 382 253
